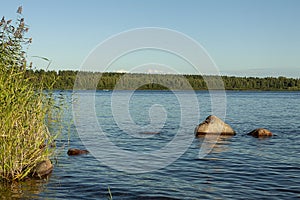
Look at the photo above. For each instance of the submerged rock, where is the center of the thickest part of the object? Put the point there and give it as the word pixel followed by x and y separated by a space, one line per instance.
pixel 43 168
pixel 74 152
pixel 149 133
pixel 261 132
pixel 213 125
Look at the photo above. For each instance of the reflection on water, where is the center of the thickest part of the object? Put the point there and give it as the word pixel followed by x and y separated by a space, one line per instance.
pixel 28 189
pixel 217 143
pixel 211 144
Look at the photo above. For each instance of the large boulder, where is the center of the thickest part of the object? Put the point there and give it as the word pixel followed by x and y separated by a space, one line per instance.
pixel 261 132
pixel 43 168
pixel 213 125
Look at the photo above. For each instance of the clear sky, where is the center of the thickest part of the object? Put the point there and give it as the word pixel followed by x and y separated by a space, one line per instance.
pixel 243 37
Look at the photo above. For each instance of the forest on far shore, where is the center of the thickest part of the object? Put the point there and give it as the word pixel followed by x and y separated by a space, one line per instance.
pixel 65 79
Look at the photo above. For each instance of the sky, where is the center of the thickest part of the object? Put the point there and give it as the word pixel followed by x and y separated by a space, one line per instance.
pixel 242 37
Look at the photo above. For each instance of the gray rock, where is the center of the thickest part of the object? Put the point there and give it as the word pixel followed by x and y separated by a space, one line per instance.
pixel 213 125
pixel 43 168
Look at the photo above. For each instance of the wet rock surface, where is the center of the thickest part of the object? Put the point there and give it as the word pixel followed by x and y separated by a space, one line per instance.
pixel 213 125
pixel 75 152
pixel 43 168
pixel 261 132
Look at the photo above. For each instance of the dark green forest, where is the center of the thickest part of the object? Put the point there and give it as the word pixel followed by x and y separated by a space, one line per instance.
pixel 64 80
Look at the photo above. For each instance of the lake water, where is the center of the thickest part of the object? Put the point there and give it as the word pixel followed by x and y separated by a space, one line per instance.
pixel 239 167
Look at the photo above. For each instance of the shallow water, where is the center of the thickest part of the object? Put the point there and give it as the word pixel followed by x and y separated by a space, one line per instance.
pixel 238 167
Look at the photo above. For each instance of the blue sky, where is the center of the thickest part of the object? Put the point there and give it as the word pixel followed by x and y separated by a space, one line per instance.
pixel 243 37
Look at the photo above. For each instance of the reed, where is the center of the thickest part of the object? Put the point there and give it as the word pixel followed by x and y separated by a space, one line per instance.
pixel 110 197
pixel 25 109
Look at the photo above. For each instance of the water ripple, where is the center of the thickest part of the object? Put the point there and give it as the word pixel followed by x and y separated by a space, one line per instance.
pixel 237 168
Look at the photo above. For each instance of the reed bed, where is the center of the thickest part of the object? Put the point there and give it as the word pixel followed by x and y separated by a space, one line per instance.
pixel 25 109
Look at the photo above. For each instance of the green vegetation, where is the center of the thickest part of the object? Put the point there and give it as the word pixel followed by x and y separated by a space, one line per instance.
pixel 110 197
pixel 24 108
pixel 64 80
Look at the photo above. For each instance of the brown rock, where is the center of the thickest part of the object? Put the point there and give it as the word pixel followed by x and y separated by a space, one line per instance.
pixel 43 168
pixel 260 132
pixel 213 125
pixel 74 152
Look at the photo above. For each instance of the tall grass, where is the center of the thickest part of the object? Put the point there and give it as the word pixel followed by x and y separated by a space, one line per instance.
pixel 24 109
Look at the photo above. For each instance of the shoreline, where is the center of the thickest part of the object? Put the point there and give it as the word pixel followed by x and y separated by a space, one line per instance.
pixel 161 90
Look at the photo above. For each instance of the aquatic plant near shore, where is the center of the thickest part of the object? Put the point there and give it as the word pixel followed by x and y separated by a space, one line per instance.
pixel 109 194
pixel 25 139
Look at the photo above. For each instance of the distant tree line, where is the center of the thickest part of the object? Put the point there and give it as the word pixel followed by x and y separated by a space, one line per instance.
pixel 64 80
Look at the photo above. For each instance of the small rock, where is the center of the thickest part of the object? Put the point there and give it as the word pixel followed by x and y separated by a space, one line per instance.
pixel 260 132
pixel 213 125
pixel 43 168
pixel 75 152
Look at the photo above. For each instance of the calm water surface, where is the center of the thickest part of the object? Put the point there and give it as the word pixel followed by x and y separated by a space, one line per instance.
pixel 239 167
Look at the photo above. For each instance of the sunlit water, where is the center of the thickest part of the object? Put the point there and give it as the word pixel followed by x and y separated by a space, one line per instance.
pixel 239 167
